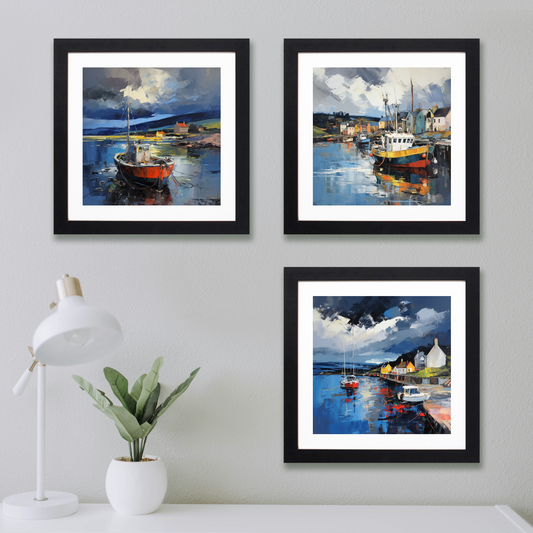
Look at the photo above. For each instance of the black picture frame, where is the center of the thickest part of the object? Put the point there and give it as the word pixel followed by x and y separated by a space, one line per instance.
pixel 293 278
pixel 469 220
pixel 239 222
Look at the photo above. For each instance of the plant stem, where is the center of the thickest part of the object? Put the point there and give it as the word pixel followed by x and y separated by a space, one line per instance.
pixel 143 445
pixel 131 456
pixel 136 450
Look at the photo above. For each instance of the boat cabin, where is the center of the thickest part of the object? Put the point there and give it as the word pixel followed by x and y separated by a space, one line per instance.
pixel 394 142
pixel 139 153
pixel 410 390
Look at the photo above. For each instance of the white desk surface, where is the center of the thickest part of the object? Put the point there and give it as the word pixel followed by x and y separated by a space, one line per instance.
pixel 100 518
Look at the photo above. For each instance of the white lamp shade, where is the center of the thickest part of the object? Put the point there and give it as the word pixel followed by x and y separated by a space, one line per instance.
pixel 76 333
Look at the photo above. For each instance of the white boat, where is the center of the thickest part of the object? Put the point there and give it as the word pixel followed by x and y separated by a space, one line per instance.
pixel 350 381
pixel 411 394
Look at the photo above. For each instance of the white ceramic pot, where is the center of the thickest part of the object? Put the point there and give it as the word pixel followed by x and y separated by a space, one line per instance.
pixel 136 488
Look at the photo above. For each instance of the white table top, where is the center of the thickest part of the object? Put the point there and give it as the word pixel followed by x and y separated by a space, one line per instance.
pixel 92 518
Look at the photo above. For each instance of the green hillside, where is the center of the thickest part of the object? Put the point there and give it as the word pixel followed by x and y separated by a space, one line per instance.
pixel 209 123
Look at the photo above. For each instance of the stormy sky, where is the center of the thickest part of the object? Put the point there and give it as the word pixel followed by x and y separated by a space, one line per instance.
pixel 380 328
pixel 151 92
pixel 360 91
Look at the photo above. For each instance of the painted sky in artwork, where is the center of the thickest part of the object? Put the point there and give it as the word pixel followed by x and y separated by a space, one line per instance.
pixel 380 328
pixel 359 91
pixel 152 93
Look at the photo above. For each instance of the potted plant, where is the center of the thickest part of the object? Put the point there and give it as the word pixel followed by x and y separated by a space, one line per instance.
pixel 135 484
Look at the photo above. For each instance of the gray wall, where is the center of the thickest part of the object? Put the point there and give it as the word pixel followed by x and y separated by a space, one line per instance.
pixel 217 302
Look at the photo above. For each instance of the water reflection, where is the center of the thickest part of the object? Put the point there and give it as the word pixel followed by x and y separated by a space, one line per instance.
pixel 371 409
pixel 344 174
pixel 194 181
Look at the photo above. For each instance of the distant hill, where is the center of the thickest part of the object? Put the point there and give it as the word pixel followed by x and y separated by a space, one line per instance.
pixel 164 123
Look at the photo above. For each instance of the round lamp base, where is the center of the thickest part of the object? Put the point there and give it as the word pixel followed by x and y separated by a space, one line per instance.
pixel 24 507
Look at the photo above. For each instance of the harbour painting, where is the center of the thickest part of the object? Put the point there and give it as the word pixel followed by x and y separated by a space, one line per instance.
pixel 151 136
pixel 382 365
pixel 382 136
pixel 369 128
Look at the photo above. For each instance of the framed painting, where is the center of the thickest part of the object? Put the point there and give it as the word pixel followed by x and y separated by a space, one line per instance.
pixel 151 136
pixel 368 136
pixel 381 365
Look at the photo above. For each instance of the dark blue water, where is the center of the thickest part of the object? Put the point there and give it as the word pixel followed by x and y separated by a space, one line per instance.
pixel 371 409
pixel 196 176
pixel 343 174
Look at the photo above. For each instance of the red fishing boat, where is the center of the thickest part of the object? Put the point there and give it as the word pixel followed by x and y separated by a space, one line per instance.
pixel 139 165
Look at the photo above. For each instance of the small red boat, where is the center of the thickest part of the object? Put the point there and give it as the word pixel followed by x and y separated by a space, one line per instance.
pixel 138 164
pixel 349 382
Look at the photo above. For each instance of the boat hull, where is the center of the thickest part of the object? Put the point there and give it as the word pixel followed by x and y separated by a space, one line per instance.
pixel 351 385
pixel 150 174
pixel 419 157
pixel 413 399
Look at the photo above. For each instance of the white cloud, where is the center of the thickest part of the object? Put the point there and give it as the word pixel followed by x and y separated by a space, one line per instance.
pixel 366 97
pixel 338 333
pixel 428 317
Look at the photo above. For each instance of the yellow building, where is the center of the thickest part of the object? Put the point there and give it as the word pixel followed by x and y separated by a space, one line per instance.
pixel 386 369
pixel 405 367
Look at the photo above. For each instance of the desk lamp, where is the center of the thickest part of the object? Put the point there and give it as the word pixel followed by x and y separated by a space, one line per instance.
pixel 76 333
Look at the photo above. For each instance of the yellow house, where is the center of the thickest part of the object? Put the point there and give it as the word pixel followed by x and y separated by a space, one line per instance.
pixel 405 367
pixel 386 369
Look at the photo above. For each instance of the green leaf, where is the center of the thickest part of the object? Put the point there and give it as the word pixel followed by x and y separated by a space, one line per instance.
pixel 137 388
pixel 174 396
pixel 92 391
pixel 151 404
pixel 147 428
pixel 119 385
pixel 126 423
pixel 148 386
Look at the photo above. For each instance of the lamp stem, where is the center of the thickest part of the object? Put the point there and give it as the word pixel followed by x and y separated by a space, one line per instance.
pixel 41 403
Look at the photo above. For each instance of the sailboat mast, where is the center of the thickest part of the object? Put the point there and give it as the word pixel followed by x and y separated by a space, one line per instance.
pixel 344 364
pixel 353 355
pixel 128 133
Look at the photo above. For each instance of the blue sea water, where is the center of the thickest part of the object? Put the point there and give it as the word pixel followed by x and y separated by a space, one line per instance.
pixel 196 176
pixel 370 409
pixel 343 174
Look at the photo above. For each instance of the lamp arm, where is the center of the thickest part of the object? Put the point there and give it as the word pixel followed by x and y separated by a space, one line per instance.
pixel 18 389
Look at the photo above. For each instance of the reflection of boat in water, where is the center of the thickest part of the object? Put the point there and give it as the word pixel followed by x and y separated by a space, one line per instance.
pixel 138 164
pixel 363 140
pixel 411 180
pixel 411 394
pixel 398 149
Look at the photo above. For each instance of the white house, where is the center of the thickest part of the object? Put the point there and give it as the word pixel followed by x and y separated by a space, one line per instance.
pixel 442 119
pixel 436 357
pixel 420 360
